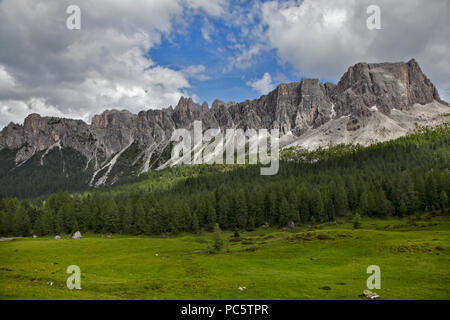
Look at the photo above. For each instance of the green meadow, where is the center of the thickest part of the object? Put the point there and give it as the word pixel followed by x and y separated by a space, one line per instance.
pixel 323 262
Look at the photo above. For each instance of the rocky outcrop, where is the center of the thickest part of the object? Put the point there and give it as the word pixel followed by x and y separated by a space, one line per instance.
pixel 386 86
pixel 293 108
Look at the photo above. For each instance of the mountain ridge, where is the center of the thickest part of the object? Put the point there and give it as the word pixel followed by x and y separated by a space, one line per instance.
pixel 368 98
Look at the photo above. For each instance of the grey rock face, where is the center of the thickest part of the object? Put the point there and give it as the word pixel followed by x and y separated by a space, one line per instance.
pixel 293 108
pixel 386 86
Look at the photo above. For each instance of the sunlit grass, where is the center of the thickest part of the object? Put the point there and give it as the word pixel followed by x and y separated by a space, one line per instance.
pixel 271 264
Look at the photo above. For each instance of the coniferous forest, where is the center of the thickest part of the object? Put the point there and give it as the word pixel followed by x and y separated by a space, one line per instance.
pixel 402 177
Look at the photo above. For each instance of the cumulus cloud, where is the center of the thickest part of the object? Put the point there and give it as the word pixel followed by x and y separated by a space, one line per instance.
pixel 17 110
pixel 46 68
pixel 322 38
pixel 263 85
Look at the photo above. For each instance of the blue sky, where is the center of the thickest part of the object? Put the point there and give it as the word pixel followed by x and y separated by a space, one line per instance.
pixel 223 79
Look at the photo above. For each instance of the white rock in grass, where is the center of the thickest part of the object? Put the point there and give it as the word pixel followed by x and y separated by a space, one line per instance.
pixel 371 295
pixel 57 238
pixel 77 235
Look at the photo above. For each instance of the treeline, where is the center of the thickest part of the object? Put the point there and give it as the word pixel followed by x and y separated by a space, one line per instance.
pixel 59 170
pixel 398 178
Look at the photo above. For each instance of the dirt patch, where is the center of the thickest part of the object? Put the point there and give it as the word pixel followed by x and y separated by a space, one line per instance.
pixel 5 269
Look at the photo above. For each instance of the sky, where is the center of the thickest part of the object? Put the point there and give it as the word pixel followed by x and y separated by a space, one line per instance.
pixel 140 55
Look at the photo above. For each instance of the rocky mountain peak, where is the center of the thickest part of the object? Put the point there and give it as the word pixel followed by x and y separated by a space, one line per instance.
pixel 113 118
pixel 384 85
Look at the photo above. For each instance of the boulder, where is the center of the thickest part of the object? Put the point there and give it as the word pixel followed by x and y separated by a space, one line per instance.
pixel 77 235
pixel 370 295
pixel 57 238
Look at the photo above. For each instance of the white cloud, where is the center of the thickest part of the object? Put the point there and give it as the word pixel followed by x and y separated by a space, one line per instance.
pixel 245 57
pixel 78 73
pixel 207 30
pixel 213 8
pixel 16 110
pixel 196 72
pixel 323 38
pixel 263 85
pixel 7 82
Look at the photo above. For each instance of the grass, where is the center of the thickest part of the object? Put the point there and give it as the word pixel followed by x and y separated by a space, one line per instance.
pixel 326 262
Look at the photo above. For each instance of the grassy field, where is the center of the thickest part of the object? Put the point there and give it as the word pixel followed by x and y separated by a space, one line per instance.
pixel 327 262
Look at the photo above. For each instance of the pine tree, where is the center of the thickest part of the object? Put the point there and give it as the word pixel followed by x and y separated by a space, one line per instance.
pixel 218 242
pixel 112 217
pixel 303 200
pixel 317 209
pixel 284 212
pixel 356 221
pixel 223 207
pixel 195 224
pixel 241 209
pixel 403 209
pixel 211 217
pixel 187 218
pixel 141 220
pixel 352 193
pixel 364 202
pixel 126 217
pixel 340 200
pixel 251 224
pixel 444 200
pixel 271 206
pixel 22 224
pixel 329 206
pixel 60 224
pixel 3 231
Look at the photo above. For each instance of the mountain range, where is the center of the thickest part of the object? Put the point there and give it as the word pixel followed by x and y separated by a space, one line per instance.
pixel 370 103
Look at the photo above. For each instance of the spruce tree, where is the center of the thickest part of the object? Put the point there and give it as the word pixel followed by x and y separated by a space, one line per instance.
pixel 241 209
pixel 22 224
pixel 195 223
pixel 317 209
pixel 112 218
pixel 444 200
pixel 218 242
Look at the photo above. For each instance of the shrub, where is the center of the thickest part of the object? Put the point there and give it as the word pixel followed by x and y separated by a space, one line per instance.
pixel 218 242
pixel 356 221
